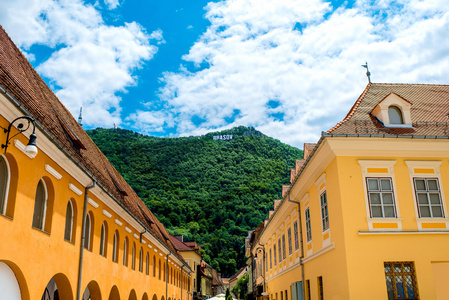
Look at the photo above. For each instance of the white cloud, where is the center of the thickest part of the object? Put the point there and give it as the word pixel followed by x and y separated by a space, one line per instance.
pixel 91 63
pixel 112 4
pixel 254 56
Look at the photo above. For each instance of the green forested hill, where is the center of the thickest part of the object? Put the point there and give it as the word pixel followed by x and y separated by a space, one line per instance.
pixel 212 191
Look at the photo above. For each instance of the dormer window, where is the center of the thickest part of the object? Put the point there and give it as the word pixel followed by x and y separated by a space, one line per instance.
pixel 393 111
pixel 395 115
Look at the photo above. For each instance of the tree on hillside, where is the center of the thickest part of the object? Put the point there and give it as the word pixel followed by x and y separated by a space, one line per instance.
pixel 211 191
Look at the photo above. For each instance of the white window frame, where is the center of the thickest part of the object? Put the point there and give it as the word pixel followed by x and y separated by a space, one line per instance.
pixel 308 224
pixel 71 223
pixel 290 240
pixel 417 169
pixel 103 239
pixel 296 236
pixel 115 244
pixel 322 188
pixel 125 251
pixel 87 232
pixel 44 212
pixel 8 180
pixel 380 169
pixel 141 260
pixel 133 261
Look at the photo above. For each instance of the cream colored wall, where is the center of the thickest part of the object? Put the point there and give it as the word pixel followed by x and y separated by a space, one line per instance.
pixel 352 262
pixel 368 252
pixel 191 257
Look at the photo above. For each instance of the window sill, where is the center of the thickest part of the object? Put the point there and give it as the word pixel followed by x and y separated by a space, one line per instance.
pixel 73 243
pixel 384 224
pixel 398 125
pixel 7 217
pixel 432 224
pixel 40 230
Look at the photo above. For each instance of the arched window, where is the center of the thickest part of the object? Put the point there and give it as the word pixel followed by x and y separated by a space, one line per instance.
pixel 115 244
pixel 4 184
pixel 69 222
pixel 125 252
pixel 141 260
pixel 88 231
pixel 164 274
pixel 395 115
pixel 133 261
pixel 154 266
pixel 147 269
pixel 40 205
pixel 104 239
pixel 160 269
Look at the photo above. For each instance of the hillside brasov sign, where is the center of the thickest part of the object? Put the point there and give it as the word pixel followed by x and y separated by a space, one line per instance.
pixel 225 137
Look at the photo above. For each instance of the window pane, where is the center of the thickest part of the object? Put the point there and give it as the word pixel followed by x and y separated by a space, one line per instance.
pixel 385 184
pixel 39 206
pixel 87 231
pixel 432 184
pixel 68 223
pixel 422 198
pixel 390 289
pixel 389 212
pixel 376 211
pixel 409 284
pixel 395 115
pixel 407 268
pixel 372 184
pixel 374 198
pixel 399 286
pixel 3 184
pixel 437 212
pixel 420 184
pixel 434 198
pixel 387 198
pixel 424 212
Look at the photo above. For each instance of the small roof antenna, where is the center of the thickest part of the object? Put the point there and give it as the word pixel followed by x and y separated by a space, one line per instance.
pixel 80 118
pixel 368 74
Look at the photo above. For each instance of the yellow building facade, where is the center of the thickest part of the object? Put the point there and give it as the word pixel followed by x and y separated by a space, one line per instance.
pixel 370 198
pixel 125 252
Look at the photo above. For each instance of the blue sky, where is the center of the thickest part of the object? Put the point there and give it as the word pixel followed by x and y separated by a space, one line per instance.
pixel 290 68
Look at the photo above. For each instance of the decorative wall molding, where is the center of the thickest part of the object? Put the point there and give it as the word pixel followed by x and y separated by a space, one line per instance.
pixel 52 171
pixel 128 230
pixel 106 213
pixel 118 222
pixel 92 202
pixel 75 189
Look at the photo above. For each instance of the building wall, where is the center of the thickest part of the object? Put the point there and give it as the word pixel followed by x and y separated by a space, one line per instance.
pixel 36 256
pixel 349 257
pixel 194 261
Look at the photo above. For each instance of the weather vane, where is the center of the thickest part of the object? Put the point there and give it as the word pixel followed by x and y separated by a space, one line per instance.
pixel 368 74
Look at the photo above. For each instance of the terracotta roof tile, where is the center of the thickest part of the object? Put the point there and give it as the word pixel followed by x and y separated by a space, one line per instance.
pixel 22 82
pixel 429 110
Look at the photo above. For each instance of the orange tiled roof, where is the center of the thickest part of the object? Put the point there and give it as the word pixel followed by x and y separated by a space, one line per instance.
pixel 429 110
pixel 309 146
pixel 23 83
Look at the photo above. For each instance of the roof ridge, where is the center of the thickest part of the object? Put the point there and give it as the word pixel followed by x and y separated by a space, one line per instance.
pixel 352 110
pixel 427 84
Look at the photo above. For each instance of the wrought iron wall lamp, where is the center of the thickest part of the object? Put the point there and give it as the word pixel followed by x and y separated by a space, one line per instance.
pixel 31 148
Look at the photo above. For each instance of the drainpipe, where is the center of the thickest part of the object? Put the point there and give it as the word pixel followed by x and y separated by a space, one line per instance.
pixel 83 236
pixel 301 264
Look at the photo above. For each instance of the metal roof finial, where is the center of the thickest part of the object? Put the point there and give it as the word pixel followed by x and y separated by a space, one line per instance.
pixel 368 74
pixel 80 118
